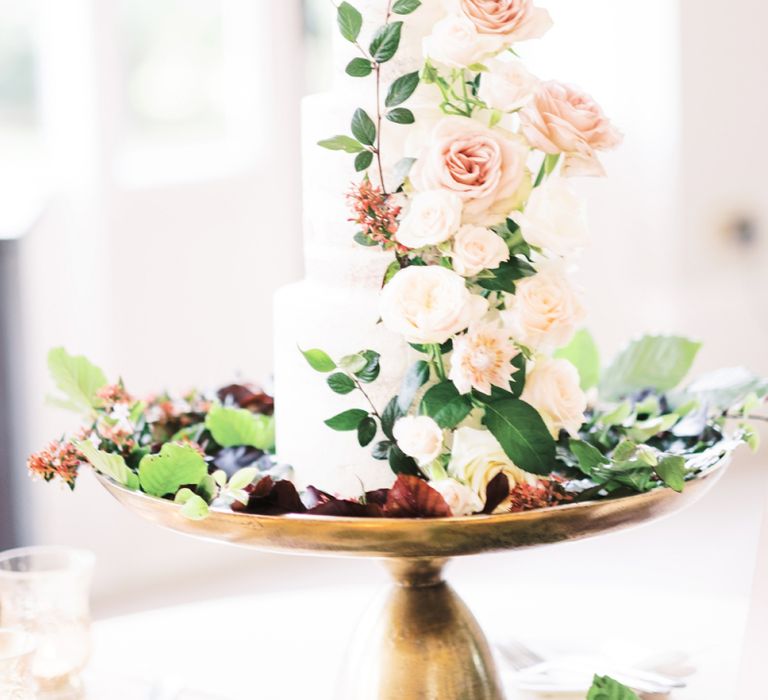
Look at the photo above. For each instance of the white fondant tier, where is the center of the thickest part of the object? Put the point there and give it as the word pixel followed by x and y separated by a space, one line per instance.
pixel 340 321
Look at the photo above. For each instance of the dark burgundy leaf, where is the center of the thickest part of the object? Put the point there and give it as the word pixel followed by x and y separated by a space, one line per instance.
pixel 378 497
pixel 247 396
pixel 314 497
pixel 347 509
pixel 496 492
pixel 268 497
pixel 412 497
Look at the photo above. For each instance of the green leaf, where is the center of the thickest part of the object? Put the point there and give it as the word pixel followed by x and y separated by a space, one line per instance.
pixel 401 115
pixel 176 466
pixel 391 414
pixel 400 463
pixel 415 378
pixel 522 433
pixel 193 506
pixel 359 67
pixel 342 143
pixel 207 488
pixel 350 22
pixel 353 363
pixel 653 362
pixel 364 240
pixel 446 405
pixel 242 478
pixel 642 431
pixel 319 360
pixel 109 464
pixel 341 383
pixel 77 378
pixel 583 354
pixel 392 269
pixel 366 431
pixel 605 688
pixel 363 128
pixel 591 461
pixel 496 116
pixel 401 89
pixel 348 420
pixel 405 7
pixel 671 471
pixel 370 372
pixel 617 416
pixel 363 162
pixel 724 389
pixel 385 42
pixel 503 278
pixel 381 449
pixel 235 427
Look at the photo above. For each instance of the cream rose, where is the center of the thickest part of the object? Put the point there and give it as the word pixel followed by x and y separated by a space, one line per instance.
pixel 506 86
pixel 434 216
pixel 484 167
pixel 553 389
pixel 419 437
pixel 461 499
pixel 476 248
pixel 509 20
pixel 561 119
pixel 428 304
pixel 455 42
pixel 554 219
pixel 546 309
pixel 477 457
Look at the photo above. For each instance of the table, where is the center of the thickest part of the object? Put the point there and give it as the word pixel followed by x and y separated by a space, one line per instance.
pixel 288 645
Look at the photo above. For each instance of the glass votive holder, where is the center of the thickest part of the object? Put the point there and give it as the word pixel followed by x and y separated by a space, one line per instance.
pixel 46 592
pixel 16 652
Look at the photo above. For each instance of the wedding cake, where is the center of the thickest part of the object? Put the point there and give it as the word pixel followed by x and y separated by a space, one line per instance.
pixel 470 88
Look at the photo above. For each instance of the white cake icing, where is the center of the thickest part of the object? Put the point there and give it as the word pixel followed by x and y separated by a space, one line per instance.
pixel 336 307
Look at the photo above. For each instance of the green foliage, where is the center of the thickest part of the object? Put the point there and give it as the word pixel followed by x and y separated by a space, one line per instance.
pixel 235 427
pixel 725 389
pixel 671 470
pixel 401 89
pixel 347 420
pixel 109 464
pixel 193 507
pixel 363 161
pixel 522 434
pixel 415 378
pixel 363 128
pixel 342 143
pixel 405 7
pixel 366 431
pixel 401 115
pixel 350 21
pixel 503 278
pixel 605 688
pixel 446 405
pixel 370 372
pixel 359 67
pixel 653 362
pixel 77 378
pixel 391 414
pixel 582 352
pixel 400 463
pixel 175 466
pixel 341 383
pixel 385 42
pixel 319 360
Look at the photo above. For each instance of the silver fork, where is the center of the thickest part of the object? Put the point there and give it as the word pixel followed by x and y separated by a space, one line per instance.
pixel 521 658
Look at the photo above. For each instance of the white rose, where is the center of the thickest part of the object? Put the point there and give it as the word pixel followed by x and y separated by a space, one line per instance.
pixel 546 309
pixel 554 219
pixel 553 389
pixel 434 216
pixel 455 42
pixel 461 499
pixel 476 248
pixel 507 85
pixel 477 457
pixel 419 437
pixel 428 304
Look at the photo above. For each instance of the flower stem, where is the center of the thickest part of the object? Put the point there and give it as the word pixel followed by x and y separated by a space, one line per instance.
pixel 436 355
pixel 367 398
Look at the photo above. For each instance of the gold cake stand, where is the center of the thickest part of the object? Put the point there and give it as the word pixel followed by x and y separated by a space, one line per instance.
pixel 424 644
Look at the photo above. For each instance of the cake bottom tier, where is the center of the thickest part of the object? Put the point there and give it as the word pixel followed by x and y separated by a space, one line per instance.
pixel 341 321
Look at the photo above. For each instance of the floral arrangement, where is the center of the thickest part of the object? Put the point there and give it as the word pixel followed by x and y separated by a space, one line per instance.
pixel 484 229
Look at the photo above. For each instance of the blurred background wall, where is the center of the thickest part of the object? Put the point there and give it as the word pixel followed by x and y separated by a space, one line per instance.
pixel 150 157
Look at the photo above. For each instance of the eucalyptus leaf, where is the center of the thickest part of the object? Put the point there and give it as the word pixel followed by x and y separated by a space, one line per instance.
pixel 583 354
pixel 350 21
pixel 363 128
pixel 235 427
pixel 523 435
pixel 175 466
pixel 653 362
pixel 77 378
pixel 109 464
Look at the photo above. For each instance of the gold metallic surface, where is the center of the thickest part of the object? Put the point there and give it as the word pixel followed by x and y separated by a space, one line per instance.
pixel 423 643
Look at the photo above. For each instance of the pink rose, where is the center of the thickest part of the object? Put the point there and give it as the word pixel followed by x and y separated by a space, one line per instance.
pixel 561 119
pixel 484 167
pixel 510 20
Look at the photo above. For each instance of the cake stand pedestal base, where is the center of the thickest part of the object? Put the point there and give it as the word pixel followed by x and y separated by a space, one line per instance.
pixel 422 644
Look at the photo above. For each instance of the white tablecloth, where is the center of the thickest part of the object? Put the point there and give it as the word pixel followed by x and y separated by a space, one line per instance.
pixel 289 645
